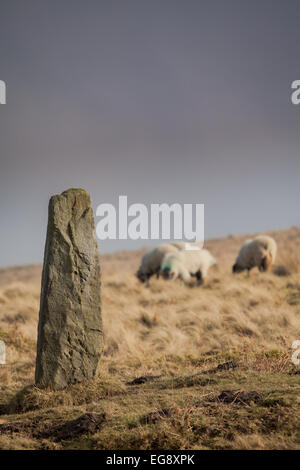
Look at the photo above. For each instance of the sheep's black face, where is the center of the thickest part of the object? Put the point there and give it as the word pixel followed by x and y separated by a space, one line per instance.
pixel 264 266
pixel 236 268
pixel 167 273
pixel 141 277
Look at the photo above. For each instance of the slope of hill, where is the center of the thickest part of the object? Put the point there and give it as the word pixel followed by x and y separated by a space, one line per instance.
pixel 212 363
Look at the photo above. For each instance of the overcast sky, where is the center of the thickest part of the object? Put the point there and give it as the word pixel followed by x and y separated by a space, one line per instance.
pixel 163 101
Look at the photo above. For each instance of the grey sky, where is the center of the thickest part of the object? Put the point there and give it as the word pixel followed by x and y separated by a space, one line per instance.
pixel 175 101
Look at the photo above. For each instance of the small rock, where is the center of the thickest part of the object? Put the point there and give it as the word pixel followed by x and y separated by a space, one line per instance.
pixel 239 397
pixel 143 379
pixel 87 423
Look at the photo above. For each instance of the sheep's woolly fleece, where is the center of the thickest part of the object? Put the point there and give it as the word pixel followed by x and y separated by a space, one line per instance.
pixel 151 261
pixel 260 251
pixel 184 264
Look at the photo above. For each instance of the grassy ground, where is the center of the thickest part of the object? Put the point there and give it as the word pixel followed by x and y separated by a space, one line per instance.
pixel 183 367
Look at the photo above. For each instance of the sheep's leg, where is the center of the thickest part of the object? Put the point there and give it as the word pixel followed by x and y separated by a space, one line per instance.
pixel 265 263
pixel 184 275
pixel 199 277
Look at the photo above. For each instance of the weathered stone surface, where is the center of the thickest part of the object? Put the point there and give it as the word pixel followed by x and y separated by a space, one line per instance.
pixel 70 339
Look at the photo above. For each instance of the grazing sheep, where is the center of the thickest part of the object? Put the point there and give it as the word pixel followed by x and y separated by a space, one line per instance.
pixel 184 264
pixel 259 251
pixel 151 261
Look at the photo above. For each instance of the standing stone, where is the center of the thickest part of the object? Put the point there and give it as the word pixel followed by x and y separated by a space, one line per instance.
pixel 70 339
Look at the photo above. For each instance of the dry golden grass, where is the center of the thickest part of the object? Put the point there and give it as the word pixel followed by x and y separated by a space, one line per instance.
pixel 178 334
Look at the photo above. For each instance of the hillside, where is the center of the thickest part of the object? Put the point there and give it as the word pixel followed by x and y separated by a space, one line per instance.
pixel 212 364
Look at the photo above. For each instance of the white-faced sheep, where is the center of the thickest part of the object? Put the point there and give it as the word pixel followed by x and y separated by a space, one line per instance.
pixel 151 261
pixel 259 251
pixel 187 263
